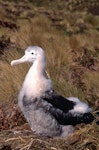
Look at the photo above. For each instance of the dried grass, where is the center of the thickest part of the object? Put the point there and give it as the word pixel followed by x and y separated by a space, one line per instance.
pixel 58 48
pixel 64 59
pixel 10 78
pixel 53 44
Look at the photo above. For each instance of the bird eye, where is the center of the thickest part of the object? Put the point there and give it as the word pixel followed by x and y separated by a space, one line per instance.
pixel 32 53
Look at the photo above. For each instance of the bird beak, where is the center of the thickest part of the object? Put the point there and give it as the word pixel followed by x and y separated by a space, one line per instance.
pixel 18 61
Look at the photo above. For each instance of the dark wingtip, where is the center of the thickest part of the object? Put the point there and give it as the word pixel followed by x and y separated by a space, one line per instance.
pixel 88 118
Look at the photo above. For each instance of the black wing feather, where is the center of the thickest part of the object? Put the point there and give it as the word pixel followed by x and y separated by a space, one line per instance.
pixel 61 107
pixel 70 119
pixel 58 101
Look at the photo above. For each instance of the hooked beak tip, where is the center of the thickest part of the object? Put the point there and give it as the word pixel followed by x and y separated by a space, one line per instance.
pixel 12 63
pixel 18 61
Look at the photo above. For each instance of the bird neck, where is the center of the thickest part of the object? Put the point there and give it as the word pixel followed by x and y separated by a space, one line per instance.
pixel 38 68
pixel 36 82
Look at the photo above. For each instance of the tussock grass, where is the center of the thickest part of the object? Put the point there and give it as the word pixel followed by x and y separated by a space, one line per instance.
pixel 66 65
pixel 58 48
pixel 10 78
pixel 92 84
pixel 36 32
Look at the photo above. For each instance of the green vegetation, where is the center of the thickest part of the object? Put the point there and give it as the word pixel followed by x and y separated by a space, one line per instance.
pixel 69 34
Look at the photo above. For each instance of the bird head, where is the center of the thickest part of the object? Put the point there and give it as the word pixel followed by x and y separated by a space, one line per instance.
pixel 32 53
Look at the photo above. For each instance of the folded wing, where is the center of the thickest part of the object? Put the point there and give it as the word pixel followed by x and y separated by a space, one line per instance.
pixel 68 111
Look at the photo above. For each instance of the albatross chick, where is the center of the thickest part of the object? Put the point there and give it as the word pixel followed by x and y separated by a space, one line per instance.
pixel 47 112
